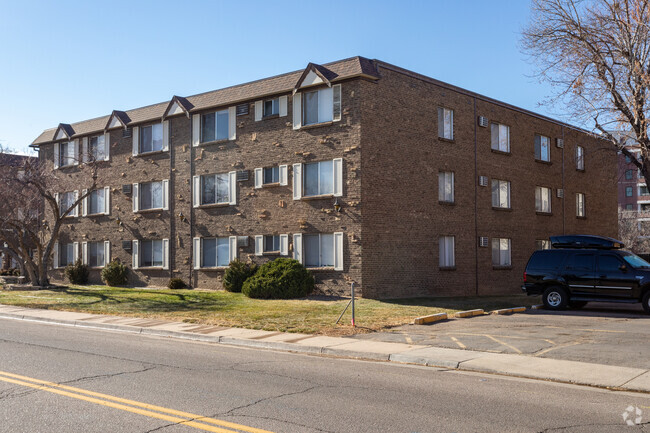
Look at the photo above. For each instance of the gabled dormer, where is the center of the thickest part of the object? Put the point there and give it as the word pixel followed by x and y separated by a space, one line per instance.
pixel 63 132
pixel 118 119
pixel 178 105
pixel 316 101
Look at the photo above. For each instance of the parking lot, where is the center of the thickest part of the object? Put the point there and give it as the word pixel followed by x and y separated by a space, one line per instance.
pixel 603 333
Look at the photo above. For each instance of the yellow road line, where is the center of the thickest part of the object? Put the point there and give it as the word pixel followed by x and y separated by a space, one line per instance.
pixel 461 345
pixel 192 422
pixel 501 342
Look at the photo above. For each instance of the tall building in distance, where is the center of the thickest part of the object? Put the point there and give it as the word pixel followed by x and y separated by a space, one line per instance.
pixel 363 171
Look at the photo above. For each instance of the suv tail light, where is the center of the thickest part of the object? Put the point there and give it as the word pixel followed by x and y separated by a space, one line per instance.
pixel 524 276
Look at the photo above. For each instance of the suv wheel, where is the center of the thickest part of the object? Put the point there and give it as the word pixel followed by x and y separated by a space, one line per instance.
pixel 555 298
pixel 646 301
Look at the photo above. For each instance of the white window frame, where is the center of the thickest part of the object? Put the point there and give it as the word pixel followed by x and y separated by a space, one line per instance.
pixel 325 109
pixel 224 200
pixel 501 252
pixel 99 246
pixel 231 241
pixel 446 187
pixel 99 153
pixel 275 107
pixel 103 201
pixel 71 247
pixel 544 144
pixel 337 165
pixel 500 137
pixel 580 158
pixel 216 114
pixel 499 188
pixel 580 205
pixel 447 252
pixel 320 250
pixel 542 192
pixel 75 210
pixel 154 127
pixel 154 243
pixel 164 192
pixel 70 157
pixel 445 123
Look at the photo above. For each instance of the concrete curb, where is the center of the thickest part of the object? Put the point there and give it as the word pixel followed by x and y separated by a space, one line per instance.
pixel 509 310
pixel 588 374
pixel 469 313
pixel 430 319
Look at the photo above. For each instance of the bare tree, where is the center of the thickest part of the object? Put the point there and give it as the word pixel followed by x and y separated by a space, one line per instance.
pixel 632 232
pixel 596 53
pixel 31 212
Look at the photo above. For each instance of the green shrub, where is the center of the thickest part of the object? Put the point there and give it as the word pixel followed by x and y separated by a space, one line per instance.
pixel 280 279
pixel 115 273
pixel 77 272
pixel 236 274
pixel 176 284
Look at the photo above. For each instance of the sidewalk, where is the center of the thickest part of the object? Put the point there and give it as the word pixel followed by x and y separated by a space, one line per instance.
pixel 581 373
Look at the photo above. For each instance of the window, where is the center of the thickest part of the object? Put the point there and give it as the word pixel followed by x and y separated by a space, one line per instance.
pixel 151 195
pixel 608 263
pixel 501 252
pixel 580 158
pixel 271 107
pixel 447 252
pixel 319 250
pixel 501 194
pixel 629 207
pixel 542 199
pixel 67 154
pixel 446 187
pixel 66 200
pixel 318 106
pixel 151 138
pixel 215 252
pixel 582 262
pixel 319 178
pixel 580 204
pixel 445 123
pixel 96 254
pixel 215 188
pixel 628 159
pixel 629 191
pixel 629 174
pixel 96 148
pixel 645 207
pixel 542 148
pixel 500 137
pixel 66 255
pixel 643 190
pixel 271 175
pixel 272 244
pixel 96 202
pixel 151 253
pixel 214 126
pixel 542 244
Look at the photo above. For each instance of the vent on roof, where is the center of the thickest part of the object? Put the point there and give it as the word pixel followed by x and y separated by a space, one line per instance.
pixel 126 245
pixel 482 121
pixel 242 241
pixel 483 241
pixel 126 133
pixel 559 143
pixel 560 193
pixel 482 180
pixel 242 109
pixel 242 175
pixel 126 189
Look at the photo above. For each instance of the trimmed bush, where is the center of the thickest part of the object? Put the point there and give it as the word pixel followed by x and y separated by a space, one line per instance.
pixel 176 284
pixel 77 272
pixel 236 274
pixel 280 279
pixel 115 273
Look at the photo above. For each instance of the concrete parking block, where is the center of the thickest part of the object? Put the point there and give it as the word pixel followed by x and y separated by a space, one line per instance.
pixel 469 313
pixel 509 310
pixel 430 319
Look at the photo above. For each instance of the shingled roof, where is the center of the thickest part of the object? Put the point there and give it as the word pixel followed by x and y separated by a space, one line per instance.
pixel 348 68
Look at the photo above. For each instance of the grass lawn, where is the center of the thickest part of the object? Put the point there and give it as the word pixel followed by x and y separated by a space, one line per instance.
pixel 313 316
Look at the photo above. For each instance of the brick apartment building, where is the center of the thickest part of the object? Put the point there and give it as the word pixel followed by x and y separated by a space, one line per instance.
pixel 361 170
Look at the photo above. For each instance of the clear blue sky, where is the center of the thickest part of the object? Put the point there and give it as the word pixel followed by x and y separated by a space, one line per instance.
pixel 66 61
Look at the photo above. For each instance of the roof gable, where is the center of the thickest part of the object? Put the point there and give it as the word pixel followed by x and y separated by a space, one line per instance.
pixel 178 105
pixel 117 119
pixel 63 132
pixel 314 74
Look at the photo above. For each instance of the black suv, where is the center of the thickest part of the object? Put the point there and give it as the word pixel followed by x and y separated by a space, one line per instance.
pixel 583 268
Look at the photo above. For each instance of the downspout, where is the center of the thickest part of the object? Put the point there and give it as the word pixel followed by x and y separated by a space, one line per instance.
pixel 191 201
pixel 476 250
pixel 563 188
pixel 172 207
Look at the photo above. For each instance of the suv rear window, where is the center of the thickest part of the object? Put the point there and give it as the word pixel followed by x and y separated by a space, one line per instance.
pixel 546 259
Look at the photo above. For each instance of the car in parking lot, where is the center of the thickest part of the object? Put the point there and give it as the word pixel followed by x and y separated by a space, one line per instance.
pixel 584 268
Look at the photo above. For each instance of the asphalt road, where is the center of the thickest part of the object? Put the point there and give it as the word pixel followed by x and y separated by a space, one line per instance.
pixel 601 333
pixel 100 381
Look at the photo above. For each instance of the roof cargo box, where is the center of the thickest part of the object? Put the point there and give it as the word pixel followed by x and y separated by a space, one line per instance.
pixel 585 241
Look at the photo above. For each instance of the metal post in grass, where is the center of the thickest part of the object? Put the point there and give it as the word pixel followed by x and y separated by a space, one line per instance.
pixel 346 307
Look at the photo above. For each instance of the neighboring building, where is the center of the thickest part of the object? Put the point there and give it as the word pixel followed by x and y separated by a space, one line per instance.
pixel 361 170
pixel 9 161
